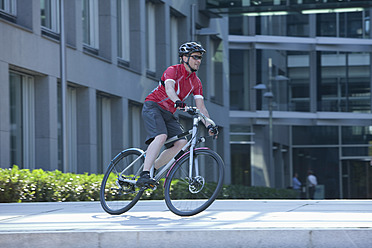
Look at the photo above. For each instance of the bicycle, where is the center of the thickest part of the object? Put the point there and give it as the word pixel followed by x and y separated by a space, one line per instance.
pixel 193 178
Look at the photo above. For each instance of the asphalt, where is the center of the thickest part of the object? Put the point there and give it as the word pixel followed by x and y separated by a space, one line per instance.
pixel 227 223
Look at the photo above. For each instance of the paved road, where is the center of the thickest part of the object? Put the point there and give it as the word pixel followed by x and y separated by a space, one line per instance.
pixel 227 223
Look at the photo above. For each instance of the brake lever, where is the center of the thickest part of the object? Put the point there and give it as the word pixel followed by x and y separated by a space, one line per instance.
pixel 190 110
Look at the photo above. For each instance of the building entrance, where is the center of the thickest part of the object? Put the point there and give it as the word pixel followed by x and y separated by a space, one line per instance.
pixel 356 179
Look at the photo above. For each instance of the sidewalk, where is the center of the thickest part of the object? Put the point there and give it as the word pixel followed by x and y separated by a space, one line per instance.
pixel 227 223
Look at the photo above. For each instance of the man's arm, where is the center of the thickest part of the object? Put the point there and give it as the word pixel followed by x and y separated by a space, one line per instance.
pixel 169 89
pixel 201 106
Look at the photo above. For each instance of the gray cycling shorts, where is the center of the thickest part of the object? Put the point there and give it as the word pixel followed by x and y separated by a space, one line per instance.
pixel 159 121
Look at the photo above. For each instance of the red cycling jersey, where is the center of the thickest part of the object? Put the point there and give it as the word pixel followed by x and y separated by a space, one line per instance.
pixel 185 84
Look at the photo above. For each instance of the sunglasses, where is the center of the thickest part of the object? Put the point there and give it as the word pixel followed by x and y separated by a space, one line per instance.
pixel 196 57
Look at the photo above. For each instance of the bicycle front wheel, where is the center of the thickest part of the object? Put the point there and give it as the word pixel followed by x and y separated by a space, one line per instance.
pixel 187 195
pixel 118 189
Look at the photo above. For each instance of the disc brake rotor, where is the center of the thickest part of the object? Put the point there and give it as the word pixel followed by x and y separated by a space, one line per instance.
pixel 196 184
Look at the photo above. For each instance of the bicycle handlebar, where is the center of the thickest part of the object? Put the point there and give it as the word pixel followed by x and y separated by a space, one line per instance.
pixel 196 111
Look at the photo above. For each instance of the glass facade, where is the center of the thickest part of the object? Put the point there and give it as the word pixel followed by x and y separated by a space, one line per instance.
pixel 339 156
pixel 350 25
pixel 239 83
pixel 299 85
pixel 357 135
pixel 315 135
pixel 356 179
pixel 290 69
pixel 241 141
pixel 344 82
pixel 323 161
pixel 298 25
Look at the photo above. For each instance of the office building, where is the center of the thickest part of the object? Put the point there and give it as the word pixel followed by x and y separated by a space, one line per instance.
pixel 288 81
pixel 300 93
pixel 71 94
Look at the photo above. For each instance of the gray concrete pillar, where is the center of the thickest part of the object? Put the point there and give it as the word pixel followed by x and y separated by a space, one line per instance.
pixel 46 123
pixel 4 117
pixel 86 130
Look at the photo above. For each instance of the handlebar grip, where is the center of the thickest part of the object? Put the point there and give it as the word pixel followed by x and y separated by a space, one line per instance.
pixel 213 130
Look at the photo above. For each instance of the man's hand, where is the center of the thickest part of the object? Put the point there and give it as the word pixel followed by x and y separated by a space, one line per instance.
pixel 179 104
pixel 213 130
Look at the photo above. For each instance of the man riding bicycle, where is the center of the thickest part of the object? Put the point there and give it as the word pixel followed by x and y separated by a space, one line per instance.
pixel 176 84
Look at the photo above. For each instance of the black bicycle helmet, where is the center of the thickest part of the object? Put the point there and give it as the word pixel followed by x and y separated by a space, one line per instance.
pixel 189 48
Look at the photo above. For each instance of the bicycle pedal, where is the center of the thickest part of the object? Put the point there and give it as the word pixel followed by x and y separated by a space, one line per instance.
pixel 153 185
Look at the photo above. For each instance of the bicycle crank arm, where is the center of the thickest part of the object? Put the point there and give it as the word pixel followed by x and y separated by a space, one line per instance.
pixel 128 181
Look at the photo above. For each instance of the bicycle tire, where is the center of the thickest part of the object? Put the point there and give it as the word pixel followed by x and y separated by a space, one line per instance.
pixel 116 200
pixel 187 197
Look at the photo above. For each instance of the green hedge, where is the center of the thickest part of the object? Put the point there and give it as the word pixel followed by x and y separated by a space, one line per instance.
pixel 47 186
pixel 245 192
pixel 23 185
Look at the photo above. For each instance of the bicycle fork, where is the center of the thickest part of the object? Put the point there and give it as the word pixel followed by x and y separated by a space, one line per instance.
pixel 193 144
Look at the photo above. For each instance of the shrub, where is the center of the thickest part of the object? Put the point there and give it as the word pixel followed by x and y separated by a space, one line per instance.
pixel 47 186
pixel 23 185
pixel 245 192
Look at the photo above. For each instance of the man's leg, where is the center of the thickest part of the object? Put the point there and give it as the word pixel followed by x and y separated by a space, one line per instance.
pixel 169 153
pixel 153 151
pixel 151 154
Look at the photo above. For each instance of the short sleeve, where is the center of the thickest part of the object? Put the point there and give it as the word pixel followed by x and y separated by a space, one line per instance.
pixel 198 89
pixel 169 73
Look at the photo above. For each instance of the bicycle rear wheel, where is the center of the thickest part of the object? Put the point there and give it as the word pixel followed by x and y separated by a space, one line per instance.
pixel 117 195
pixel 187 196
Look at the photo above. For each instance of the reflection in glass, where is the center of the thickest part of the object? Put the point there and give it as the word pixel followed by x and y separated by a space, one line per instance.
pixel 344 84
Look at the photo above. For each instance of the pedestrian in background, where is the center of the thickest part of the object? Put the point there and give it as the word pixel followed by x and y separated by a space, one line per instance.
pixel 296 184
pixel 311 184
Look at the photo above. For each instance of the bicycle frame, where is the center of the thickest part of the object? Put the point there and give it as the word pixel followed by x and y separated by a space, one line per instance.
pixel 188 148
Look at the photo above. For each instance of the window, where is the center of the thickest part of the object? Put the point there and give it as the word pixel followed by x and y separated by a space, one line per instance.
pixel 239 84
pixel 315 135
pixel 22 118
pixel 103 132
pixel 174 40
pixel 151 37
pixel 344 84
pixel 324 163
pixel 276 63
pixel 8 6
pixel 71 130
pixel 241 168
pixel 357 135
pixel 238 25
pixel 90 23
pixel 135 127
pixel 349 24
pixel 298 25
pixel 216 86
pixel 123 30
pixel 241 139
pixel 50 15
pixel 299 85
pixel 271 25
